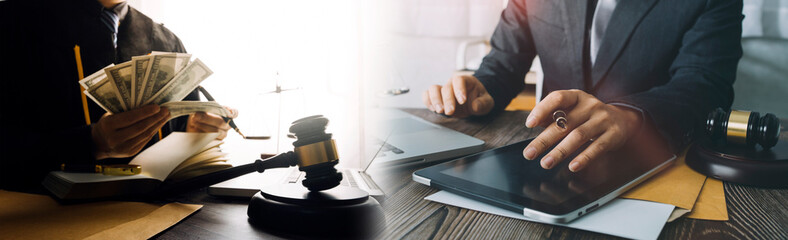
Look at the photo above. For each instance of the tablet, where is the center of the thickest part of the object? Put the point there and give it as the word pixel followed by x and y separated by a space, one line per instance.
pixel 503 178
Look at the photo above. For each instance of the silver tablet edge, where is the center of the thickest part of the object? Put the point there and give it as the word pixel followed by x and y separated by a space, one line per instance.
pixel 565 218
pixel 420 179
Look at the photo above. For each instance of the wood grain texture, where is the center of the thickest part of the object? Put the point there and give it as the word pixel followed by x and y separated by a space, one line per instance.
pixel 755 213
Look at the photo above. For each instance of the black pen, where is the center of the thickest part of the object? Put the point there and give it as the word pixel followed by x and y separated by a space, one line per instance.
pixel 231 122
pixel 113 169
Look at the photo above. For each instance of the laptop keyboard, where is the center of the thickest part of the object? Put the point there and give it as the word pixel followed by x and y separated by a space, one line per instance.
pixel 347 179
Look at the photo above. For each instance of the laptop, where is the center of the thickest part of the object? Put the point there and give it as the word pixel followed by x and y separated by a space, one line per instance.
pixel 405 139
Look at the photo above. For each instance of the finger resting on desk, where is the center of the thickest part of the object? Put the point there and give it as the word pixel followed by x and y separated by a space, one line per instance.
pixel 458 87
pixel 425 98
pixel 447 93
pixel 435 98
pixel 482 105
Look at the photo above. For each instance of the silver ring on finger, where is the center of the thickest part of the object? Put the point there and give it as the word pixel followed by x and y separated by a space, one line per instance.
pixel 560 119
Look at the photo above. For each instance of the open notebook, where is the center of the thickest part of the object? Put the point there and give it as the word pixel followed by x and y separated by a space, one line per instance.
pixel 177 157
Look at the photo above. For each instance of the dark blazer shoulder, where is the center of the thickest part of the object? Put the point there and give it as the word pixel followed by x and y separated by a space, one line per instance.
pixel 168 40
pixel 142 35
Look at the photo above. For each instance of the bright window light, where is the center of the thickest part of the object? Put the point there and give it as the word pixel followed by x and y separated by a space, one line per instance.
pixel 311 45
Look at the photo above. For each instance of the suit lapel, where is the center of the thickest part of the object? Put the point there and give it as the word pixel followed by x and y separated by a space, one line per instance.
pixel 574 18
pixel 137 40
pixel 626 17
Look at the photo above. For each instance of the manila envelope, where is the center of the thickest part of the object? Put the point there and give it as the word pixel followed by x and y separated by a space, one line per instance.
pixel 681 186
pixel 711 202
pixel 31 216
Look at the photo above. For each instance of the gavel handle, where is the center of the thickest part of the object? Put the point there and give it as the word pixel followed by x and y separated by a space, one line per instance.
pixel 283 160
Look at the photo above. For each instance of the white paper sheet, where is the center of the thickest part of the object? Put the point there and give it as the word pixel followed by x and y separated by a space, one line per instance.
pixel 627 218
pixel 160 159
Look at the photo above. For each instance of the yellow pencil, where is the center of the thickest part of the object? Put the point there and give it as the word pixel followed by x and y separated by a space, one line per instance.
pixel 81 73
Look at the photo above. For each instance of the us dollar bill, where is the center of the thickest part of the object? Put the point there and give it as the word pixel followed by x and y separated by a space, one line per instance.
pixel 184 83
pixel 183 108
pixel 106 95
pixel 120 75
pixel 139 67
pixel 94 78
pixel 161 70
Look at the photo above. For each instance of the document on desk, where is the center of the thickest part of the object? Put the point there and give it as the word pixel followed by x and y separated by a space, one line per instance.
pixel 627 218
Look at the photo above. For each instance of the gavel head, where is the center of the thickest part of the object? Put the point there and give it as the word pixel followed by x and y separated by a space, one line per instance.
pixel 316 152
pixel 743 127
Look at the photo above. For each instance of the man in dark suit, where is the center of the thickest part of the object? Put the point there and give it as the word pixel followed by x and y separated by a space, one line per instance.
pixel 613 66
pixel 43 124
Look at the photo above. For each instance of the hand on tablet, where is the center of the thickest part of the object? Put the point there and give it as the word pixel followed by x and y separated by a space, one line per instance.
pixel 587 118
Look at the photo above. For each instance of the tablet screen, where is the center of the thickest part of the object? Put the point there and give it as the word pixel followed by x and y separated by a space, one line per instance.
pixel 504 176
pixel 508 171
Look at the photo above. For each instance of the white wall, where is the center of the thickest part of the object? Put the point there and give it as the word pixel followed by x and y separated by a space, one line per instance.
pixel 423 37
pixel 313 45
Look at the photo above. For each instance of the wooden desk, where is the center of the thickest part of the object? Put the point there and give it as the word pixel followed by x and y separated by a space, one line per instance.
pixel 754 213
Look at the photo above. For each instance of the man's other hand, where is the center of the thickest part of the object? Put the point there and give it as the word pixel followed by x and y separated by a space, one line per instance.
pixel 125 134
pixel 462 96
pixel 587 119
pixel 209 122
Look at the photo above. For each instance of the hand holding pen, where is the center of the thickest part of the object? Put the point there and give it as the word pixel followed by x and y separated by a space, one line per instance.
pixel 206 122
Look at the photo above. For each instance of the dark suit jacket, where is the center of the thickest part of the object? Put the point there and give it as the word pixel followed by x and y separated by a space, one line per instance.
pixel 674 59
pixel 42 118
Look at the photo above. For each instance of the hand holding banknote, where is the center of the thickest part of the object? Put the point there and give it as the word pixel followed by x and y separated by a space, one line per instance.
pixel 162 79
pixel 209 122
pixel 125 134
pixel 154 79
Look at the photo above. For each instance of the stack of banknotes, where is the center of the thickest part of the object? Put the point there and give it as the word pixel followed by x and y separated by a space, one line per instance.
pixel 161 78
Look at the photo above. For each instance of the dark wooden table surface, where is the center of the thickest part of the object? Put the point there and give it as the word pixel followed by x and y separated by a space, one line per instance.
pixel 755 213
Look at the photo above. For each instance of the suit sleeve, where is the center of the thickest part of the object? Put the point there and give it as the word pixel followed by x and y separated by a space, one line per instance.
pixel 502 71
pixel 702 75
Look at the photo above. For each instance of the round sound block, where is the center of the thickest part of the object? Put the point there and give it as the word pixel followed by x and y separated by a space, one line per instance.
pixel 340 212
pixel 741 164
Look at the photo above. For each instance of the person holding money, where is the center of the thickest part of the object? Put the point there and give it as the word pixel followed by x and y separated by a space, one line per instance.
pixel 44 124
